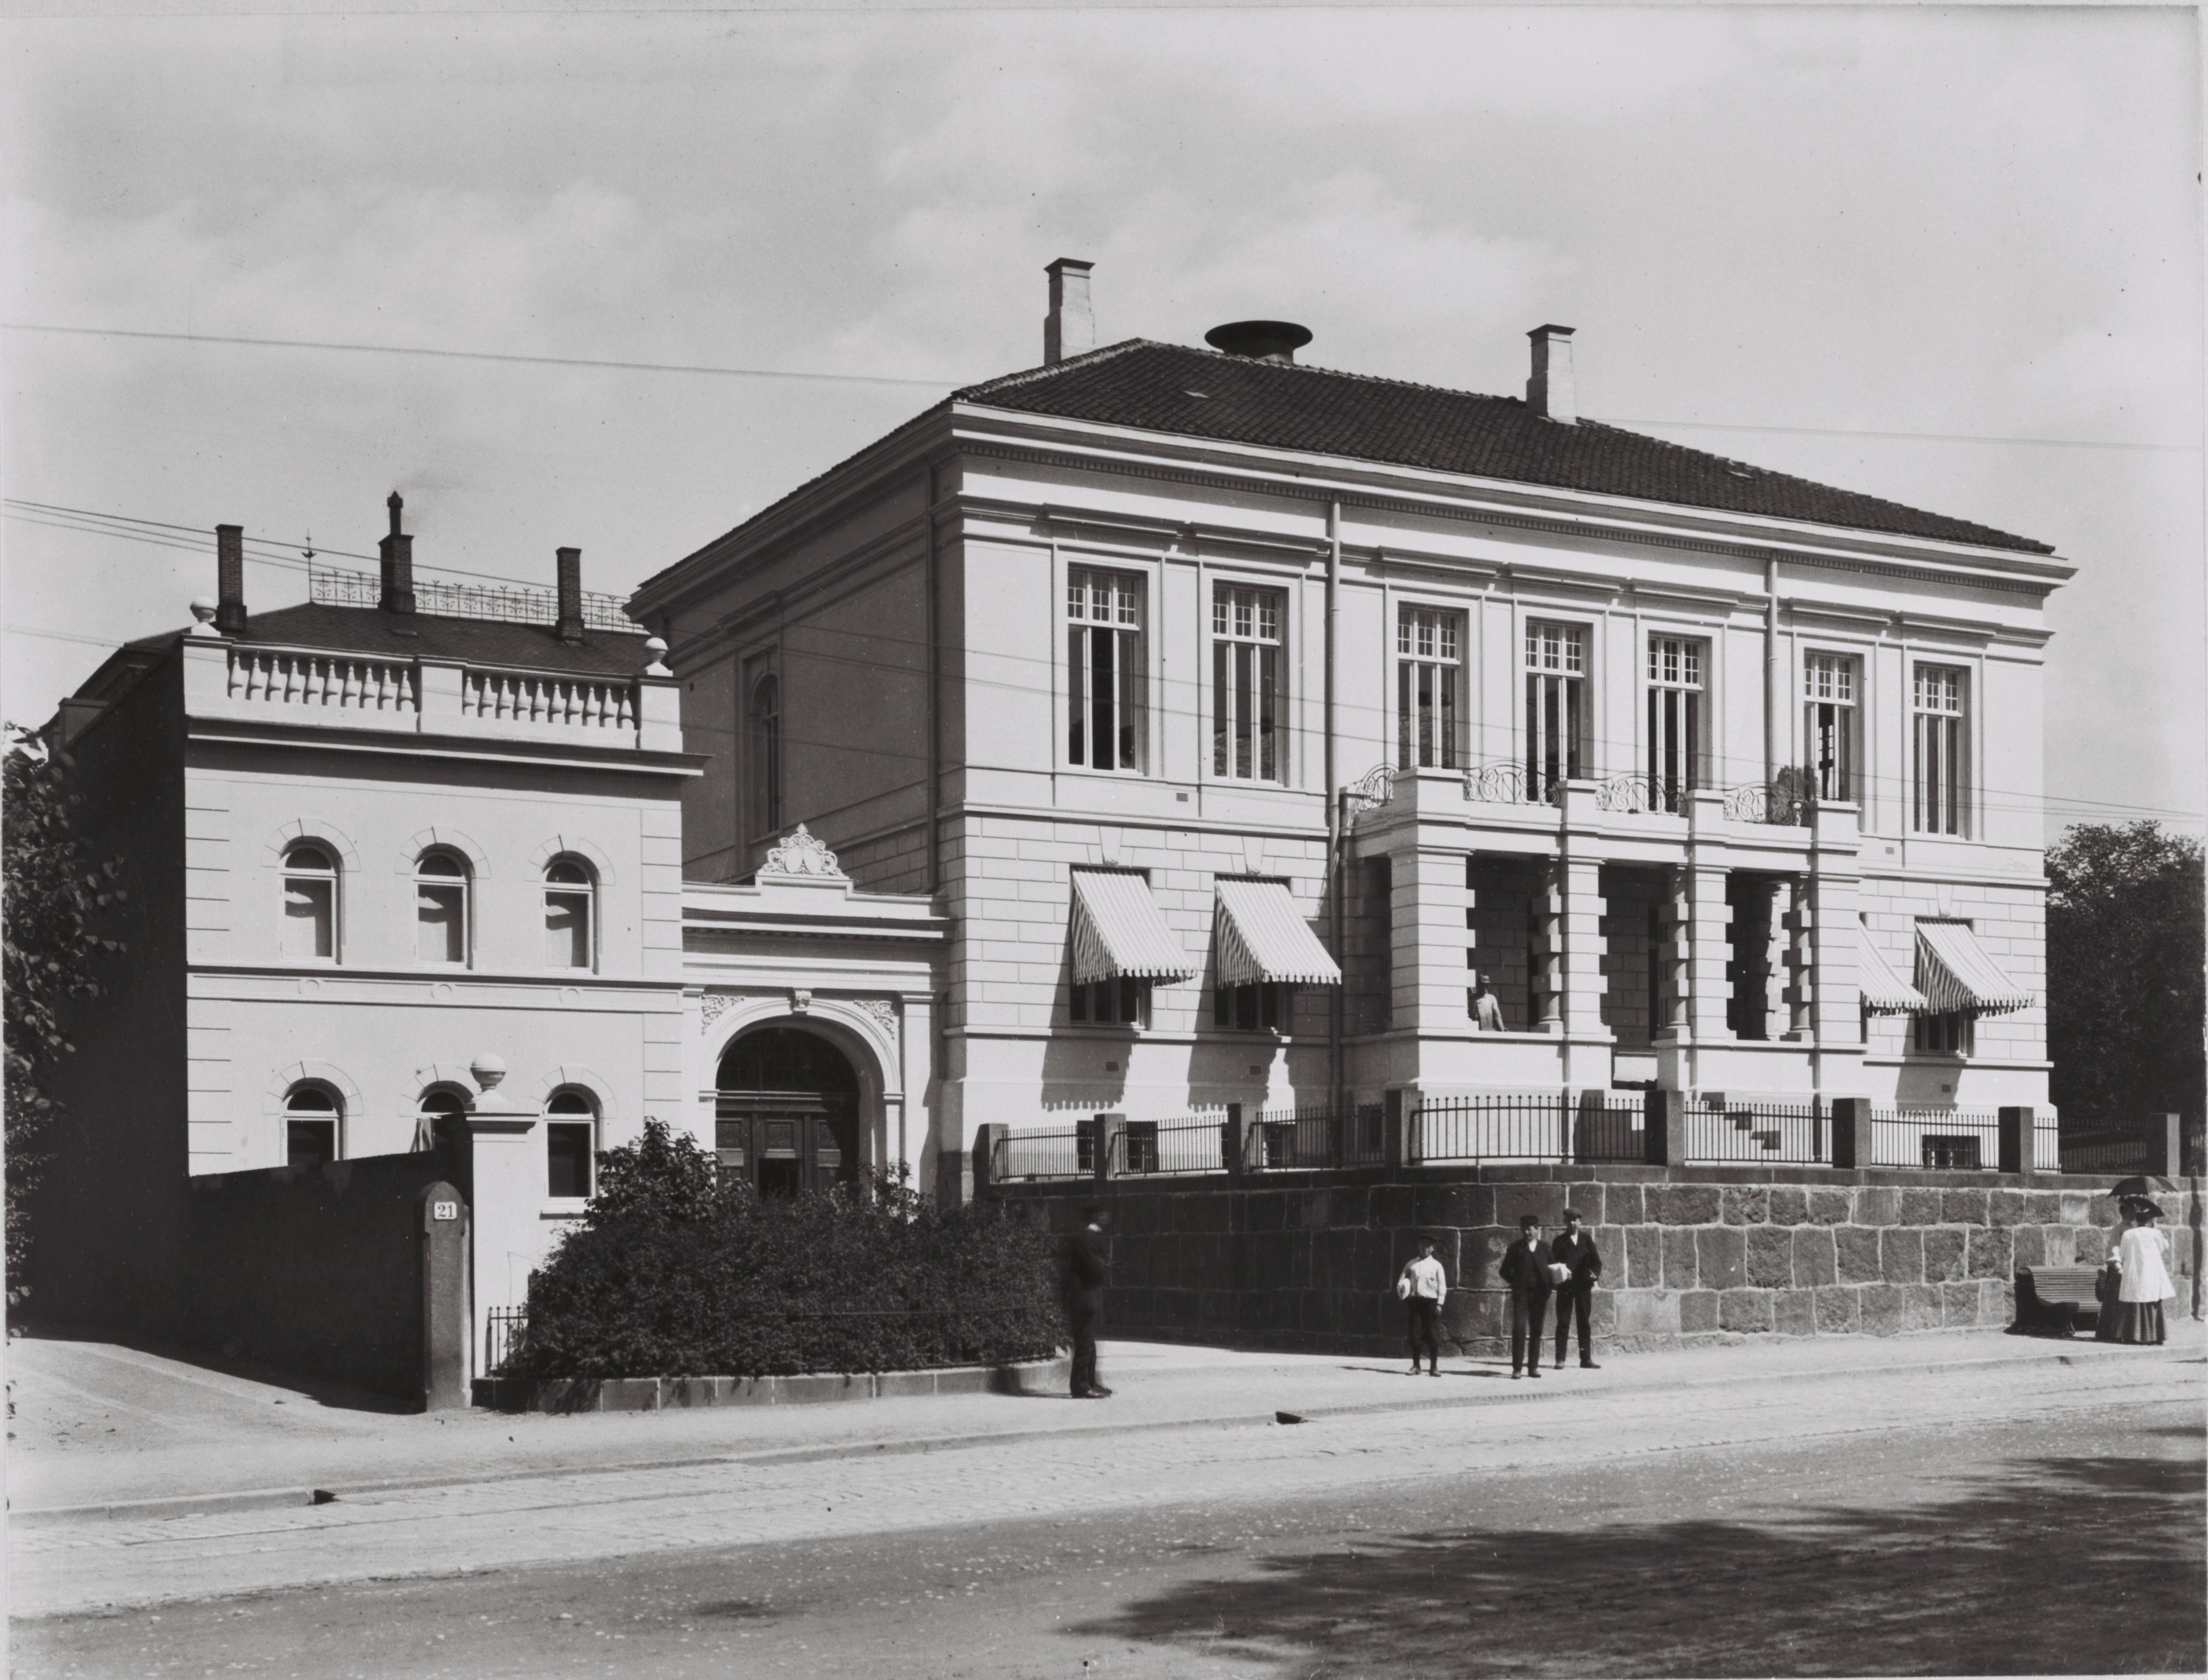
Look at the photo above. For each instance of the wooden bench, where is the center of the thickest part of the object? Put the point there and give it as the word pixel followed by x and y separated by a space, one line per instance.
pixel 2060 1299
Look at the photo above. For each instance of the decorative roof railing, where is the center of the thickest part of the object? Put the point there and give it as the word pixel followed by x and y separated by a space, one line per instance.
pixel 502 603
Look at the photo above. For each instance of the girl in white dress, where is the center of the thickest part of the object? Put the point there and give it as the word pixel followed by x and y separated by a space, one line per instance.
pixel 2143 1257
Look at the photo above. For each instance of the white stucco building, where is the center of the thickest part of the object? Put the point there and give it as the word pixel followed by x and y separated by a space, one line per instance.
pixel 1152 731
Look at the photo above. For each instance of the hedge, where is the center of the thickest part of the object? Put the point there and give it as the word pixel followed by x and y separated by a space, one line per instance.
pixel 675 1272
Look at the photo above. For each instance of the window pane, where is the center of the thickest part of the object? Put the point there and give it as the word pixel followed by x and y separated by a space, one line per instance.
pixel 308 921
pixel 1101 689
pixel 1076 696
pixel 567 1158
pixel 567 930
pixel 441 922
pixel 1221 713
pixel 442 864
pixel 310 1143
pixel 311 1100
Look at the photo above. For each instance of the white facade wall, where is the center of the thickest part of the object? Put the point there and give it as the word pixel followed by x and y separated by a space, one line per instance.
pixel 1019 501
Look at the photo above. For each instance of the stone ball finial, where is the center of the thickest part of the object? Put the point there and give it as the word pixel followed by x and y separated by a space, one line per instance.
pixel 488 1069
pixel 655 649
pixel 203 610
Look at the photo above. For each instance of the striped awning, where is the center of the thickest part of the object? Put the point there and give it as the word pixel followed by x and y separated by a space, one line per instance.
pixel 1119 933
pixel 1263 937
pixel 1884 992
pixel 1954 973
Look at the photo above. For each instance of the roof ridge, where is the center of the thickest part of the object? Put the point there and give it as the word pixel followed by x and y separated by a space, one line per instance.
pixel 1086 359
pixel 1980 534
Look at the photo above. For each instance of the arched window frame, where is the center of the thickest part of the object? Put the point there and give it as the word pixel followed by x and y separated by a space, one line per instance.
pixel 454 889
pixel 571 1144
pixel 765 734
pixel 314 884
pixel 314 1124
pixel 571 893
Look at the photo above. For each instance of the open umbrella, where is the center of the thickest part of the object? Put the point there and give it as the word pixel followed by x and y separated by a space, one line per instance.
pixel 2142 1184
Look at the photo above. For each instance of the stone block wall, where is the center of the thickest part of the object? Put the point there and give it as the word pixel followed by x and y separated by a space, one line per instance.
pixel 1690 1254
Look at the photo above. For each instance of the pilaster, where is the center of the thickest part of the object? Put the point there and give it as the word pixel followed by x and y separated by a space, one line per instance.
pixel 1432 966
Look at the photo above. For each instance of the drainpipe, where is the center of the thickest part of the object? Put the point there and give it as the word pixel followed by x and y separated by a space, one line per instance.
pixel 1337 864
pixel 934 698
pixel 1773 731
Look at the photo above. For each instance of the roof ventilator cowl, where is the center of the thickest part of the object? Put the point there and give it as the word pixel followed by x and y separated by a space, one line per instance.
pixel 1260 340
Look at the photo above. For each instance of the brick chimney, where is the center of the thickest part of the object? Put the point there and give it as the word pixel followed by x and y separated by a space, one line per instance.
pixel 570 625
pixel 230 581
pixel 1549 394
pixel 1069 328
pixel 397 552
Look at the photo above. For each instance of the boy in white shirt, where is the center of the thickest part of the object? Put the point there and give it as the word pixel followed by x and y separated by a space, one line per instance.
pixel 1422 1287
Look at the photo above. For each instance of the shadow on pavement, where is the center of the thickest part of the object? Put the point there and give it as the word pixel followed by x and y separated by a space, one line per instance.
pixel 2090 1565
pixel 338 1396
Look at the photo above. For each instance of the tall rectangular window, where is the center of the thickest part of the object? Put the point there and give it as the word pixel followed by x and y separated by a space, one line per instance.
pixel 1105 708
pixel 1938 698
pixel 1675 720
pixel 1828 722
pixel 1120 1002
pixel 1555 705
pixel 1246 697
pixel 1426 680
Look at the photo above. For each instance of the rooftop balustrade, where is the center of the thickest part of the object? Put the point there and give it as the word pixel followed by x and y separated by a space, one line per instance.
pixel 422 695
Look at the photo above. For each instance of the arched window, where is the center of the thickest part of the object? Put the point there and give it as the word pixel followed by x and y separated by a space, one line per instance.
pixel 311 1114
pixel 310 902
pixel 569 925
pixel 766 757
pixel 571 1131
pixel 440 907
pixel 442 1108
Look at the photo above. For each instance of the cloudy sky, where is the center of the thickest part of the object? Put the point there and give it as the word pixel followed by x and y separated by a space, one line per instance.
pixel 1950 257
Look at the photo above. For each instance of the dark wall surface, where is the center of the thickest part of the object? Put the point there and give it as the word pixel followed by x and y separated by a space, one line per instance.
pixel 1689 1253
pixel 317 1270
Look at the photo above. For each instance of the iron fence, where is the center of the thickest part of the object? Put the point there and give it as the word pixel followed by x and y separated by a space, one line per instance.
pixel 522 603
pixel 1544 1127
pixel 1146 1148
pixel 1757 1133
pixel 1952 1140
pixel 2116 1153
pixel 503 1329
pixel 1062 1152
pixel 1286 1139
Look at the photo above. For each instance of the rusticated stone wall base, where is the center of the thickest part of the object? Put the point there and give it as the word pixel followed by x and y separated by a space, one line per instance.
pixel 1689 1253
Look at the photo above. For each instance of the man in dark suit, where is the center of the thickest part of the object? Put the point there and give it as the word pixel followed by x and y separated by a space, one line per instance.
pixel 1087 1271
pixel 1526 1269
pixel 1575 1250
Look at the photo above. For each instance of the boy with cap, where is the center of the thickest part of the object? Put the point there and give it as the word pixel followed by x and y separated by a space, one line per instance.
pixel 1574 1251
pixel 1526 1269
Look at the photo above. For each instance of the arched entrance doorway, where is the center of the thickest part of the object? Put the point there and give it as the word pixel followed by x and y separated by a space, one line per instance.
pixel 786 1114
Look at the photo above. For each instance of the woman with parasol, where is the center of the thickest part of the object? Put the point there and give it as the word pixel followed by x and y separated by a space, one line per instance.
pixel 2142 1263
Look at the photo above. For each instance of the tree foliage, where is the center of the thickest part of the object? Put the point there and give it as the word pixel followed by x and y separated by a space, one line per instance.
pixel 2124 981
pixel 675 1271
pixel 54 901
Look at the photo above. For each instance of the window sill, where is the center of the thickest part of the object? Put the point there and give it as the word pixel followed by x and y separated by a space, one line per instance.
pixel 564 1207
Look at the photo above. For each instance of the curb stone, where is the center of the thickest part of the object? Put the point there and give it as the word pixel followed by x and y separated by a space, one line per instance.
pixel 183 1505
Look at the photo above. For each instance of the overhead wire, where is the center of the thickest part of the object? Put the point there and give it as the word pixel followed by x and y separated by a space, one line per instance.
pixel 724 371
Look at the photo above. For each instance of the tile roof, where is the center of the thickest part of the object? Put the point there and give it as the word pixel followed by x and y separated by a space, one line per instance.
pixel 476 641
pixel 1204 393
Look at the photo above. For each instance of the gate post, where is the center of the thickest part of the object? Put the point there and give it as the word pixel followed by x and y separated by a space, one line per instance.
pixel 1851 1132
pixel 443 1218
pixel 2013 1139
pixel 1230 1142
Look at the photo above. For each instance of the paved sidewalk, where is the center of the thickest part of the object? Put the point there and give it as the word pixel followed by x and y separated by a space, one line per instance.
pixel 100 1431
pixel 466 1524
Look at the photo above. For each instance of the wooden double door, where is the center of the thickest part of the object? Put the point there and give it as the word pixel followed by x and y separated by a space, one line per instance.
pixel 786 1114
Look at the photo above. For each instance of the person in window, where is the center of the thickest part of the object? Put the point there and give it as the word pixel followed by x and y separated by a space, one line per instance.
pixel 1422 1287
pixel 2142 1262
pixel 1486 1007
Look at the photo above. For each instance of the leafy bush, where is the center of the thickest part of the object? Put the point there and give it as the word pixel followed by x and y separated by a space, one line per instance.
pixel 675 1273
